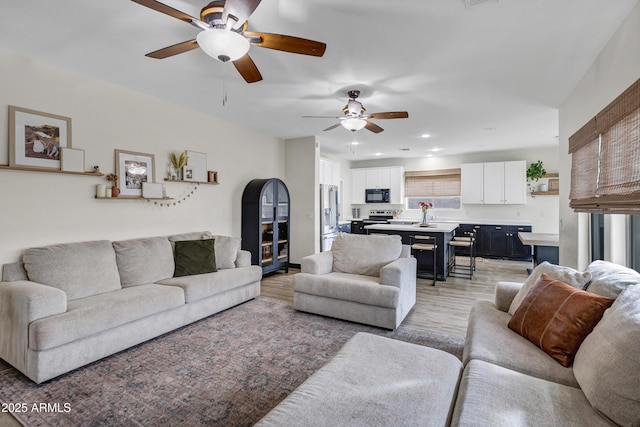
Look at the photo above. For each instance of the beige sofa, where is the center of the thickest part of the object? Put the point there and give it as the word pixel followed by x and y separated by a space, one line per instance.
pixel 368 279
pixel 71 304
pixel 503 379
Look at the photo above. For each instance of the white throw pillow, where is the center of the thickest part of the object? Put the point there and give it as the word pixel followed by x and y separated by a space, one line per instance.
pixel 607 366
pixel 609 279
pixel 364 254
pixel 572 277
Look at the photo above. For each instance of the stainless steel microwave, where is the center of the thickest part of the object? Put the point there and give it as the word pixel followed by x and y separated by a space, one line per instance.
pixel 376 195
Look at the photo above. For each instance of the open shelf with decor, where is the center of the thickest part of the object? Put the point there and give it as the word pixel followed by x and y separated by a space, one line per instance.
pixel 33 169
pixel 192 182
pixel 553 185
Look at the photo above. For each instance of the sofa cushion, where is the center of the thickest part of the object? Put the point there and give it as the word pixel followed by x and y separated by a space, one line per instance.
pixel 78 269
pixel 374 381
pixel 575 278
pixel 194 257
pixel 92 315
pixel 200 286
pixel 490 395
pixel 144 260
pixel 195 235
pixel 607 365
pixel 348 287
pixel 489 339
pixel 609 279
pixel 226 251
pixel 557 317
pixel 364 254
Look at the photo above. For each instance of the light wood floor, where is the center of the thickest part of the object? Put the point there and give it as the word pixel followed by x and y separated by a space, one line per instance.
pixel 442 308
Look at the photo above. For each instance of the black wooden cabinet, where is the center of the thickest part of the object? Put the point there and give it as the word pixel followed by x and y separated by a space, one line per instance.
pixel 265 223
pixel 497 241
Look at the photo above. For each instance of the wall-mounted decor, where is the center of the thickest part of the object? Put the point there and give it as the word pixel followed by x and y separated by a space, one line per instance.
pixel 187 173
pixel 71 159
pixel 133 169
pixel 198 162
pixel 35 138
pixel 151 190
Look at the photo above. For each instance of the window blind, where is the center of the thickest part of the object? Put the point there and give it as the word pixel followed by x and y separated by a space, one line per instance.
pixel 605 164
pixel 444 182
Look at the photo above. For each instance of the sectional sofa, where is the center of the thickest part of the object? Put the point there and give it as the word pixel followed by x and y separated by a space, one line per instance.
pixel 503 379
pixel 68 305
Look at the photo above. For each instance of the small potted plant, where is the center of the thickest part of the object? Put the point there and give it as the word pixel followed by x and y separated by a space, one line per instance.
pixel 535 172
pixel 113 178
pixel 178 162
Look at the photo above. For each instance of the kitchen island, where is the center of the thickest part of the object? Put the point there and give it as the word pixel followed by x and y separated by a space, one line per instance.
pixel 443 232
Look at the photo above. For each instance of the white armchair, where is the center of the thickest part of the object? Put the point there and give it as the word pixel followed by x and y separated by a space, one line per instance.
pixel 368 279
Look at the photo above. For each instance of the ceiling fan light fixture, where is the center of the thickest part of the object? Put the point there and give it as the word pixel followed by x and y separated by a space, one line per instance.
pixel 223 45
pixel 353 124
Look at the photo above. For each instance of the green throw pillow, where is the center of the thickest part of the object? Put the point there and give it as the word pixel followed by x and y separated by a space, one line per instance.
pixel 194 257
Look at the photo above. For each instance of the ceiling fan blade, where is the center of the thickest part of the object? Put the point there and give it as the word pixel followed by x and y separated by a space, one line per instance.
pixel 321 117
pixel 332 127
pixel 175 13
pixel 373 127
pixel 173 50
pixel 390 115
pixel 286 43
pixel 241 10
pixel 247 68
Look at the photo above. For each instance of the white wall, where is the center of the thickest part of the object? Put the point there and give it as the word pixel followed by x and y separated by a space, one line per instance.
pixel 613 71
pixel 302 157
pixel 46 208
pixel 541 211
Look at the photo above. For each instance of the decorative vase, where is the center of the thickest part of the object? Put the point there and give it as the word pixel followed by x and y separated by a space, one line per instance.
pixel 425 221
pixel 115 191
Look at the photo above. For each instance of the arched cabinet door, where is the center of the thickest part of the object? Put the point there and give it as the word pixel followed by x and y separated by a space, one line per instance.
pixel 265 223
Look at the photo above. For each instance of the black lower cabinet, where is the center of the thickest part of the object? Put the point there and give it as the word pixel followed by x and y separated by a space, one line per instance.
pixel 497 241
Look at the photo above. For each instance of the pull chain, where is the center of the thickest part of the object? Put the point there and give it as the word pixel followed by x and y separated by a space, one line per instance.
pixel 224 83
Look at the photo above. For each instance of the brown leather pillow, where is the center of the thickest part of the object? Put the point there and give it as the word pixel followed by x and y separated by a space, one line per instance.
pixel 557 317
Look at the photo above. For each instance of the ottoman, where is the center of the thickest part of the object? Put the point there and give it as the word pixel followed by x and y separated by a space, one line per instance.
pixel 372 381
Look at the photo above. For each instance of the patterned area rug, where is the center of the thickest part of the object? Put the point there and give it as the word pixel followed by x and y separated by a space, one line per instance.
pixel 229 369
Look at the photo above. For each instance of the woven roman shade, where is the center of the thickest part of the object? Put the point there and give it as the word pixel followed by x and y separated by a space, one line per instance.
pixel 605 168
pixel 443 182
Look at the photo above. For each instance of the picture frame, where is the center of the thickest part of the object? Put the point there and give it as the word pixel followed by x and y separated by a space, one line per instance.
pixel 188 173
pixel 71 159
pixel 134 169
pixel 152 190
pixel 212 176
pixel 36 137
pixel 198 162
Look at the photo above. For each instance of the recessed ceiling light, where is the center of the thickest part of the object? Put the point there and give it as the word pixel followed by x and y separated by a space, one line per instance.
pixel 429 155
pixel 425 135
pixel 435 150
pixel 377 154
pixel 355 143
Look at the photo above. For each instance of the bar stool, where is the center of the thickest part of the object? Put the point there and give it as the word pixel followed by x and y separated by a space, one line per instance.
pixel 467 241
pixel 422 243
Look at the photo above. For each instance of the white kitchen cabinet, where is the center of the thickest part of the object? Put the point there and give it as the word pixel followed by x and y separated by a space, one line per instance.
pixel 494 183
pixel 329 172
pixel 472 183
pixel 358 186
pixel 391 177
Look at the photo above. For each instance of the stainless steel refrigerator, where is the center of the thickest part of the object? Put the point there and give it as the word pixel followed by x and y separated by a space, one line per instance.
pixel 328 215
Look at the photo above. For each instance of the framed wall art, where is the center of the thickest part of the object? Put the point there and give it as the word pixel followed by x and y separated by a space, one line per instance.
pixel 133 169
pixel 36 138
pixel 71 159
pixel 198 163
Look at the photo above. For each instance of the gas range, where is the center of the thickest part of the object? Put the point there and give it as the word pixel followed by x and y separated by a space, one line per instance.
pixel 379 217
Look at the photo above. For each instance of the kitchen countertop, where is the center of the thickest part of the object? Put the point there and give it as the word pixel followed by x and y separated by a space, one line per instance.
pixel 434 227
pixel 539 239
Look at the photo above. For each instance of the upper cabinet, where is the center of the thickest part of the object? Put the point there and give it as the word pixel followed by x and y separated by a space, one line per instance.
pixel 391 177
pixel 494 183
pixel 329 172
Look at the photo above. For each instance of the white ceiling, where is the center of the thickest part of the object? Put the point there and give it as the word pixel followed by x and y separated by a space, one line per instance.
pixel 482 78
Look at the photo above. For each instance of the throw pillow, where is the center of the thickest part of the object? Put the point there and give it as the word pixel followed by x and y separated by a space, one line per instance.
pixel 195 257
pixel 557 317
pixel 609 279
pixel 607 366
pixel 364 254
pixel 226 251
pixel 567 275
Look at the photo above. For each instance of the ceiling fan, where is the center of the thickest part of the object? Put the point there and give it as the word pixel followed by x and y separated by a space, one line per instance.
pixel 224 36
pixel 355 117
